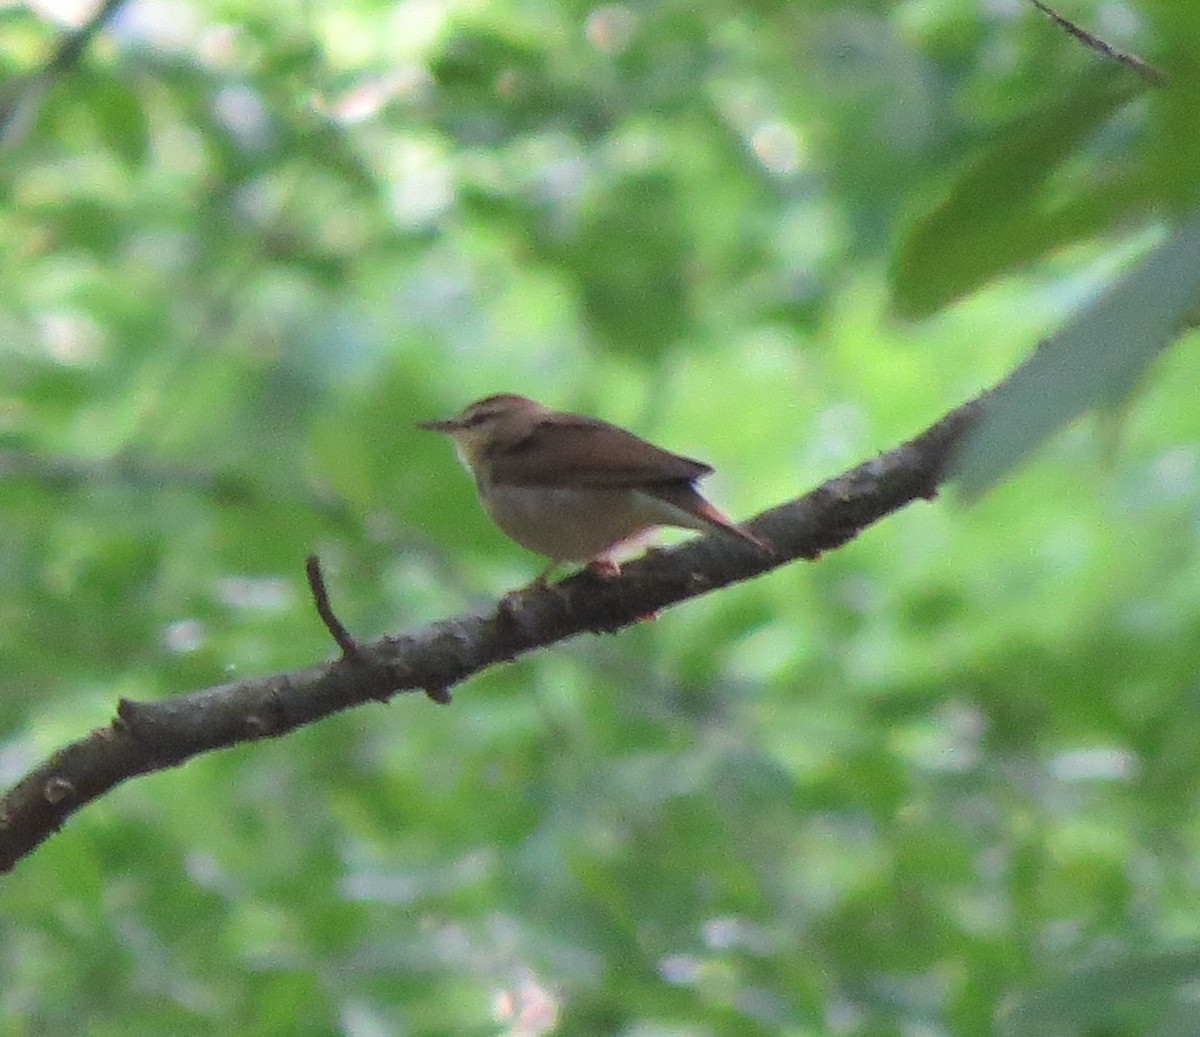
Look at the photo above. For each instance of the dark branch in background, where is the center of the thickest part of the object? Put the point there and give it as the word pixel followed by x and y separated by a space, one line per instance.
pixel 71 47
pixel 151 736
pixel 224 489
pixel 1147 71
pixel 65 473
pixel 20 112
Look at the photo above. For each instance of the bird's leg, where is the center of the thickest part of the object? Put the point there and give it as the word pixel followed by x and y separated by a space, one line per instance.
pixel 605 566
pixel 541 580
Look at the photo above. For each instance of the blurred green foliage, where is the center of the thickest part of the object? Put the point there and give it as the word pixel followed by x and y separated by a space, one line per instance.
pixel 943 781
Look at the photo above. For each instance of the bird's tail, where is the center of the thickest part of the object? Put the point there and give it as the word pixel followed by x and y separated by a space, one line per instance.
pixel 688 499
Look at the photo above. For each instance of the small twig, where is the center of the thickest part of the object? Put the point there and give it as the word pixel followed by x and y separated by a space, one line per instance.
pixel 1144 69
pixel 436 692
pixel 71 47
pixel 19 115
pixel 316 583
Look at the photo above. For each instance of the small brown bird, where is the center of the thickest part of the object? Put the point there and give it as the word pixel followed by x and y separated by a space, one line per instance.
pixel 574 488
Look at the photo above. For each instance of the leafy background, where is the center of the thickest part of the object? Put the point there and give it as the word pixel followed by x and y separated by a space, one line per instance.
pixel 943 781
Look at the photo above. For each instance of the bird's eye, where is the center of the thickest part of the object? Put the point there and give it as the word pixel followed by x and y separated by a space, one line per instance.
pixel 477 419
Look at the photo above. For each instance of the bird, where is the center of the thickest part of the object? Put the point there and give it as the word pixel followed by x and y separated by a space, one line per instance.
pixel 574 488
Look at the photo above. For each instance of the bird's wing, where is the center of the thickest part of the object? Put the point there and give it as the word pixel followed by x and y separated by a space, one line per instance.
pixel 586 452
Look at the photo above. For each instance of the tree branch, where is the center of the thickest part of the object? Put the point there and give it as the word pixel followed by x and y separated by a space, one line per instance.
pixel 1089 39
pixel 151 736
pixel 337 630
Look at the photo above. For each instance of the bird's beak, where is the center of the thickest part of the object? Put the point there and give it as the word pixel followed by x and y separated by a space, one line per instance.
pixel 441 425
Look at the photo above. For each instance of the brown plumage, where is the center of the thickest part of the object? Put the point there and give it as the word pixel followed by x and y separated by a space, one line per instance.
pixel 571 487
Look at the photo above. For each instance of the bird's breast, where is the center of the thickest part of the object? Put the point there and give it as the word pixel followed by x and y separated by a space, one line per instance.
pixel 575 524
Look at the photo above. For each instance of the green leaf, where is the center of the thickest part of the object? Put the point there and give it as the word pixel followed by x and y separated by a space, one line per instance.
pixel 119 116
pixel 1096 995
pixel 631 258
pixel 1096 359
pixel 998 215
